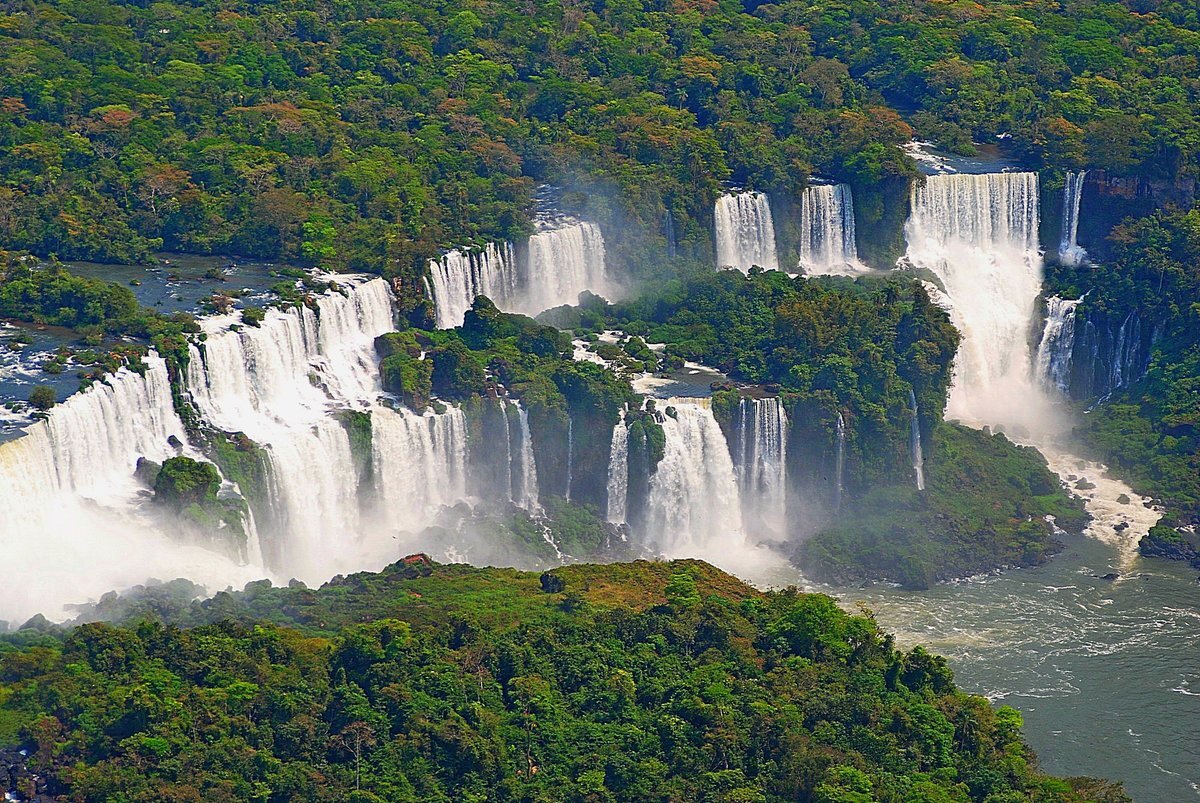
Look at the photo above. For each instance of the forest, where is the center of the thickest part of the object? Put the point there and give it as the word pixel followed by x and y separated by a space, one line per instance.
pixel 369 136
pixel 629 682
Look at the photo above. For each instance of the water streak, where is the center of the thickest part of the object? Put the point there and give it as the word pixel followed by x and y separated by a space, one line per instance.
pixel 1069 251
pixel 918 454
pixel 618 474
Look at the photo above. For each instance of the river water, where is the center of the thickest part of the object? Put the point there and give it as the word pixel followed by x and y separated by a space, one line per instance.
pixel 1105 672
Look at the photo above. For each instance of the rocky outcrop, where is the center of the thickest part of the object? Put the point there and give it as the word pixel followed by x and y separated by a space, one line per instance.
pixel 1167 542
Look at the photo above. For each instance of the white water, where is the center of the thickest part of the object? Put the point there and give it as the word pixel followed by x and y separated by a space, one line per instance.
pixel 459 276
pixel 564 258
pixel 979 235
pixel 694 509
pixel 1053 364
pixel 562 261
pixel 839 485
pixel 827 237
pixel 73 525
pixel 570 454
pixel 745 232
pixel 278 383
pixel 761 463
pixel 618 474
pixel 1069 251
pixel 420 465
pixel 525 491
pixel 918 454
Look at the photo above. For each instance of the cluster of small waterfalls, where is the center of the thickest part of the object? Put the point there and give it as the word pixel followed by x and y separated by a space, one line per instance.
pixel 746 237
pixel 561 260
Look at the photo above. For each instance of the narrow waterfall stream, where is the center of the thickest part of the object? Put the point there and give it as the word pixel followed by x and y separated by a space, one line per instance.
pixel 1069 251
pixel 618 474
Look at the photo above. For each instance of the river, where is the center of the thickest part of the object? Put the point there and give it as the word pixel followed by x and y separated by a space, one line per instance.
pixel 1105 672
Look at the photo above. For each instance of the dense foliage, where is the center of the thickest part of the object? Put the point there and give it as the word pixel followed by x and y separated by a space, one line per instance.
pixel 985 505
pixel 423 683
pixel 369 135
pixel 1150 430
pixel 859 345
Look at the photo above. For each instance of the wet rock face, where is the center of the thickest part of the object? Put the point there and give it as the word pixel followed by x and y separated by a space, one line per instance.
pixel 19 782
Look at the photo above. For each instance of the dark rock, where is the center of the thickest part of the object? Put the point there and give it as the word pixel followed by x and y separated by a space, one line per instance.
pixel 552 583
pixel 1123 499
pixel 1167 542
pixel 1122 527
pixel 1084 485
pixel 1110 576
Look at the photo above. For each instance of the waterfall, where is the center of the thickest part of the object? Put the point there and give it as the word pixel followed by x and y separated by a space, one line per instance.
pixel 618 474
pixel 285 374
pixel 693 508
pixel 1053 363
pixel 525 489
pixel 839 485
pixel 561 262
pixel 827 238
pixel 745 232
pixel 419 464
pixel 979 235
pixel 570 454
pixel 73 522
pixel 918 454
pixel 1069 251
pixel 459 276
pixel 565 257
pixel 278 383
pixel 761 462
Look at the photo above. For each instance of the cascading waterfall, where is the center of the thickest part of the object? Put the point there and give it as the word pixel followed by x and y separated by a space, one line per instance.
pixel 918 454
pixel 1069 251
pixel 839 485
pixel 419 464
pixel 693 508
pixel 979 235
pixel 561 262
pixel 745 232
pixel 278 383
pixel 565 257
pixel 73 522
pixel 761 463
pixel 827 236
pixel 459 276
pixel 618 474
pixel 1053 363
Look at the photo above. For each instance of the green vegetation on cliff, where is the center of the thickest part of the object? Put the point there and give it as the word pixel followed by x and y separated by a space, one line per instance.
pixel 1149 431
pixel 984 506
pixel 630 682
